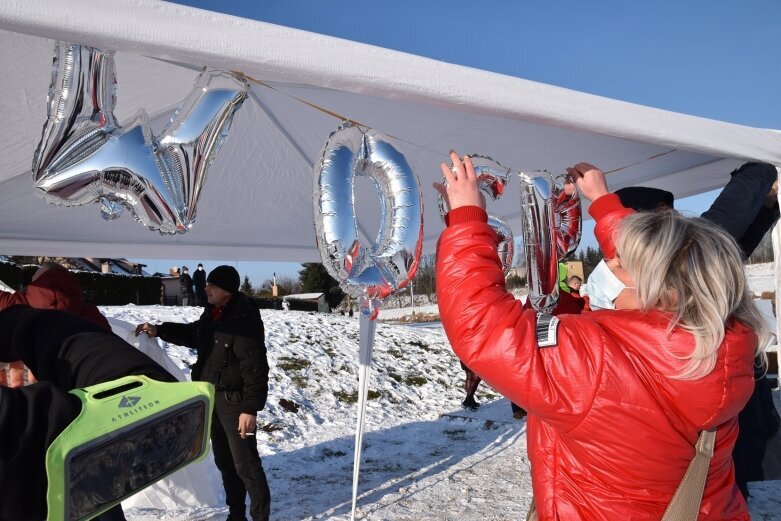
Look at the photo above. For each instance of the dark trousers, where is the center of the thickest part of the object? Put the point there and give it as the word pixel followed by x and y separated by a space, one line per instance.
pixel 239 462
pixel 200 296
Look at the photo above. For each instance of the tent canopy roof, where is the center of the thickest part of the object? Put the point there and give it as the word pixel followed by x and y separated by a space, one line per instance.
pixel 257 201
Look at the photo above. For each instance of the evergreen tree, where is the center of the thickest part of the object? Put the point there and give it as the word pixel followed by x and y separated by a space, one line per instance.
pixel 315 279
pixel 246 287
pixel 590 258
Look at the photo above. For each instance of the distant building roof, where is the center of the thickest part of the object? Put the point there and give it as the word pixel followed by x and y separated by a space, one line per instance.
pixel 304 296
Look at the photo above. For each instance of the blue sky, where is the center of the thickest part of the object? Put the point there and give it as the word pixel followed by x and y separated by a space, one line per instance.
pixel 712 58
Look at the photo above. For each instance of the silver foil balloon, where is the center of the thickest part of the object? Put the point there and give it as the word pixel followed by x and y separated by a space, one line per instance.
pixel 506 247
pixel 85 156
pixel 550 209
pixel 492 179
pixel 568 217
pixel 372 271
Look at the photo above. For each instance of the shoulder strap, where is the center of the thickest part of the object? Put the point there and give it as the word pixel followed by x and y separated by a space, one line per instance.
pixel 685 504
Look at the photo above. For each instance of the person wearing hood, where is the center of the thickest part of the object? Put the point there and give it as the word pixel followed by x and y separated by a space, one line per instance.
pixel 230 341
pixel 619 402
pixel 199 281
pixel 52 287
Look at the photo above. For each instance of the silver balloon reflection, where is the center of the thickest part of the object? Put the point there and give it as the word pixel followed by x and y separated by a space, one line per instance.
pixel 85 156
pixel 506 247
pixel 551 214
pixel 492 179
pixel 370 272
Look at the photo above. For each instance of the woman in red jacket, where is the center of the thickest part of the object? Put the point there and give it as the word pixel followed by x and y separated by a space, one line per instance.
pixel 616 398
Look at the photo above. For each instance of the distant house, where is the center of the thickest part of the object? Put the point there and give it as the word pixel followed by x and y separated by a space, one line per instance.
pixel 101 265
pixel 319 298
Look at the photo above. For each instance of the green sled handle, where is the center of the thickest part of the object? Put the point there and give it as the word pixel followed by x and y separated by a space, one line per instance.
pixel 131 433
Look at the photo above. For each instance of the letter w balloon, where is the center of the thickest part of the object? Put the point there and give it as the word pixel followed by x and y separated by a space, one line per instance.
pixel 85 156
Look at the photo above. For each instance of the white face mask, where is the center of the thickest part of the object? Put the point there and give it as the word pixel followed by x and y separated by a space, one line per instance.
pixel 602 287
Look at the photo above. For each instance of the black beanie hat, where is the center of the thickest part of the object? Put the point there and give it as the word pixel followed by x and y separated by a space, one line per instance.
pixel 225 277
pixel 645 198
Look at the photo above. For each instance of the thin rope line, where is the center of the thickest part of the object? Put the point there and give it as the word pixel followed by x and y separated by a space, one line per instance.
pixel 641 161
pixel 342 117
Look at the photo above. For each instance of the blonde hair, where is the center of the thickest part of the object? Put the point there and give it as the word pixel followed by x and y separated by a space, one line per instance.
pixel 692 268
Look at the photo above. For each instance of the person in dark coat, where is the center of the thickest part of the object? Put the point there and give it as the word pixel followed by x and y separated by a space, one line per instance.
pixel 65 352
pixel 199 281
pixel 746 209
pixel 186 287
pixel 229 338
pixel 52 287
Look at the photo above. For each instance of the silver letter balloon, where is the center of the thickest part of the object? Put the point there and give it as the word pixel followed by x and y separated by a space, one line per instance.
pixel 85 156
pixel 369 272
pixel 492 179
pixel 551 213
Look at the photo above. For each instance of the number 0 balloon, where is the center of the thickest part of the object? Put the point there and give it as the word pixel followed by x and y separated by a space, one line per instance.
pixel 368 271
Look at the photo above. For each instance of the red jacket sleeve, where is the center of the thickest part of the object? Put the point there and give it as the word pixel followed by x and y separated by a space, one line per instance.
pixel 607 211
pixel 497 339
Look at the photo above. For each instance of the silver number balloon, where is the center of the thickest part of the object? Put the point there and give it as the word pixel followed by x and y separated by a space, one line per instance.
pixel 492 179
pixel 551 231
pixel 85 156
pixel 370 272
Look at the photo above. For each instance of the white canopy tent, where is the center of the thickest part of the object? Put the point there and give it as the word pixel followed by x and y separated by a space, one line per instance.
pixel 257 201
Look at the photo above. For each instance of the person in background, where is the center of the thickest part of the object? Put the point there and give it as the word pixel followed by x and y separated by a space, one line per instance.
pixel 66 352
pixel 230 341
pixel 573 284
pixel 199 281
pixel 616 399
pixel 51 287
pixel 471 382
pixel 746 209
pixel 186 287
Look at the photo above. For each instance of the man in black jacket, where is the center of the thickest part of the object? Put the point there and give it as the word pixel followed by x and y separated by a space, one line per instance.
pixel 65 352
pixel 230 341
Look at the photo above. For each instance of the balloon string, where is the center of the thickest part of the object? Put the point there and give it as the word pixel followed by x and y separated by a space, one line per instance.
pixel 438 152
pixel 367 329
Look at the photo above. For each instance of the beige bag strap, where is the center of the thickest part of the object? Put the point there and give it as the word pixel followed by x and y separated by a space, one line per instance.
pixel 685 504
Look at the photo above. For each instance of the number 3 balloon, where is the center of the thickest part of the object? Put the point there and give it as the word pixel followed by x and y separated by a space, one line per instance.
pixel 86 156
pixel 492 179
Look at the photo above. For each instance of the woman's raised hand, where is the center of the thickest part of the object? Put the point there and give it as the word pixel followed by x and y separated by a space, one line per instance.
pixel 461 189
pixel 590 180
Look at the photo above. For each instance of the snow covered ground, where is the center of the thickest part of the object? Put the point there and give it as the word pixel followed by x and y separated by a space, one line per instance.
pixel 424 456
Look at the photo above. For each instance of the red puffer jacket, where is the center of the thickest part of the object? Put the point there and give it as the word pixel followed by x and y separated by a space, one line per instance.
pixel 610 433
pixel 55 289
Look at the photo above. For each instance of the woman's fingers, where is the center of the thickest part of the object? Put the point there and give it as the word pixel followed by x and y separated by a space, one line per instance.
pixel 458 167
pixel 469 168
pixel 448 173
